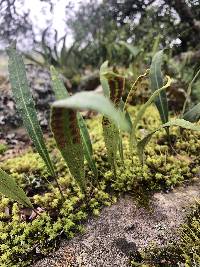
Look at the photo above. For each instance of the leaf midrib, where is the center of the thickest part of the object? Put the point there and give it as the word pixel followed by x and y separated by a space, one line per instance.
pixel 28 116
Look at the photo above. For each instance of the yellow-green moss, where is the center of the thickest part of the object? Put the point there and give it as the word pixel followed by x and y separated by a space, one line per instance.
pixel 185 252
pixel 163 170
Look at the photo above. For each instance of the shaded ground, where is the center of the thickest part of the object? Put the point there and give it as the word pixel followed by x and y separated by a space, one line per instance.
pixel 124 228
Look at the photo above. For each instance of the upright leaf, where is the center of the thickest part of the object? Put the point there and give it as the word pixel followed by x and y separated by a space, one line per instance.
pixel 103 79
pixel 143 109
pixel 110 131
pixel 176 122
pixel 156 81
pixel 25 104
pixel 58 85
pixel 189 90
pixel 111 139
pixel 60 93
pixel 66 132
pixel 193 115
pixel 87 146
pixel 96 102
pixel 10 189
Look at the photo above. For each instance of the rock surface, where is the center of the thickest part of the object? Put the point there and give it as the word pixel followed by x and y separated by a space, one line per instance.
pixel 124 228
pixel 40 84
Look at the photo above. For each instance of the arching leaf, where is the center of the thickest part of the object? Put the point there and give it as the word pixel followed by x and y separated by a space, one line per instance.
pixel 176 122
pixel 96 102
pixel 143 109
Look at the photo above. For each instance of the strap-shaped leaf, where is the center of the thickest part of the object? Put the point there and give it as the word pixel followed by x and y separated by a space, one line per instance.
pixel 10 189
pixel 176 122
pixel 189 90
pixel 87 146
pixel 61 93
pixel 58 85
pixel 66 132
pixel 110 131
pixel 103 79
pixel 156 81
pixel 111 139
pixel 193 115
pixel 25 104
pixel 95 102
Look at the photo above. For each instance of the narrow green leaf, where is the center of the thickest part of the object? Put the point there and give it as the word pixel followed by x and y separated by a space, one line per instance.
pixel 128 118
pixel 96 102
pixel 103 79
pixel 156 81
pixel 64 126
pixel 60 93
pixel 25 104
pixel 189 90
pixel 111 139
pixel 176 122
pixel 121 150
pixel 10 189
pixel 58 85
pixel 110 131
pixel 193 115
pixel 134 50
pixel 156 44
pixel 87 146
pixel 143 109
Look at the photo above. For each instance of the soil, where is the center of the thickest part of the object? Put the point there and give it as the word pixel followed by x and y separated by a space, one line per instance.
pixel 123 229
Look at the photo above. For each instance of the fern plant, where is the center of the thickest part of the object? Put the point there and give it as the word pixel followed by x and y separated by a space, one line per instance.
pixel 70 130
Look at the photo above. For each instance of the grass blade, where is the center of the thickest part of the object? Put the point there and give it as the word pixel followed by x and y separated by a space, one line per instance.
pixel 10 189
pixel 176 122
pixel 25 104
pixel 193 115
pixel 96 102
pixel 156 81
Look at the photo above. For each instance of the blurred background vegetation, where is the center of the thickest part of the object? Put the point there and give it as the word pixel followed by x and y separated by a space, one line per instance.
pixel 125 32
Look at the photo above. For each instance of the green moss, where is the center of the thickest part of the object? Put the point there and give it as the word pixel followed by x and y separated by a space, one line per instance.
pixel 23 239
pixel 190 239
pixel 185 252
